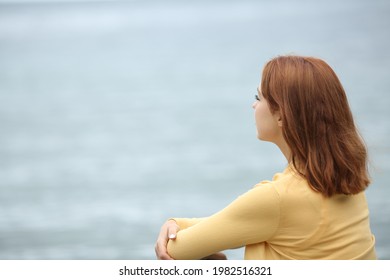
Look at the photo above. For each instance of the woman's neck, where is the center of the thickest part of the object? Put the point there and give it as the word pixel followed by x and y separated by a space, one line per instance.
pixel 285 149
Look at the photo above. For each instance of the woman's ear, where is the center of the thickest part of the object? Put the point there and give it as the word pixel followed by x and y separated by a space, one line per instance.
pixel 280 122
pixel 278 118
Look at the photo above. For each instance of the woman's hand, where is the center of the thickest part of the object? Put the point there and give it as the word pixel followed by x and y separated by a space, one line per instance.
pixel 216 256
pixel 168 231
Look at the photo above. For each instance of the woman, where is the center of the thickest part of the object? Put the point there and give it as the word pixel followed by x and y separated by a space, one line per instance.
pixel 316 208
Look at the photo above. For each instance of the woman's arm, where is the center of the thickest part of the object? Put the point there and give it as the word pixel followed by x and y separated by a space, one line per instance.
pixel 169 231
pixel 184 223
pixel 251 218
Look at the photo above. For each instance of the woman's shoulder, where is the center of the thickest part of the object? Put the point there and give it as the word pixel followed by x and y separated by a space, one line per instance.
pixel 289 184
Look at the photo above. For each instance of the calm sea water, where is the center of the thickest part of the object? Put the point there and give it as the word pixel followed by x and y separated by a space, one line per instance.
pixel 117 115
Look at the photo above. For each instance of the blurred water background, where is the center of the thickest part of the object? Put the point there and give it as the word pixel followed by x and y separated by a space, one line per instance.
pixel 116 115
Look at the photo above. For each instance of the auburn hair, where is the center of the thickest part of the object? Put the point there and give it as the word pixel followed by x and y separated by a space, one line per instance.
pixel 317 124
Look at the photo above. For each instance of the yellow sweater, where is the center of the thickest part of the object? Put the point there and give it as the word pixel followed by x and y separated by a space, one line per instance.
pixel 281 219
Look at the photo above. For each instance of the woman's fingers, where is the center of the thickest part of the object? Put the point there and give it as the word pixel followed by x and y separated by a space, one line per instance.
pixel 161 249
pixel 168 231
pixel 173 228
pixel 216 256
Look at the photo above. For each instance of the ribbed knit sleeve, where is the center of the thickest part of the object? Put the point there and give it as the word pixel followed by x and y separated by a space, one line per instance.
pixel 251 218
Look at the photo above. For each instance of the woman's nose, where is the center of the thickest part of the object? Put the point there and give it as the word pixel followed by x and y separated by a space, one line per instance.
pixel 254 105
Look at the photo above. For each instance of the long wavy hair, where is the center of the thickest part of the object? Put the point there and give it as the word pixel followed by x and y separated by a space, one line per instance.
pixel 317 124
